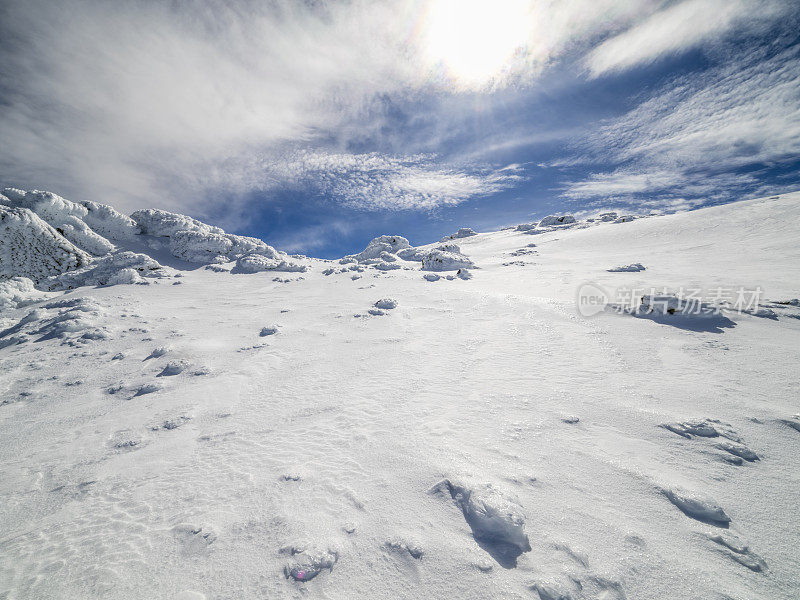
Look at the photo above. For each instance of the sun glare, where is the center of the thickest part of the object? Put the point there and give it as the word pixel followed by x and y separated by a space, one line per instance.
pixel 475 39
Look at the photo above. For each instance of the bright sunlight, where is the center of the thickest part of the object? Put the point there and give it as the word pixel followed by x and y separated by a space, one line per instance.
pixel 475 39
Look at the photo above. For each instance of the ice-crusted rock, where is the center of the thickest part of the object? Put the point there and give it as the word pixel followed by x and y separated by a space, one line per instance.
pixel 609 216
pixel 525 226
pixel 463 232
pixel 625 219
pixel 553 220
pixel 66 217
pixel 30 247
pixel 161 223
pixel 256 263
pixel 196 242
pixel 445 257
pixel 121 267
pixel 378 249
pixel 18 292
pixel 108 222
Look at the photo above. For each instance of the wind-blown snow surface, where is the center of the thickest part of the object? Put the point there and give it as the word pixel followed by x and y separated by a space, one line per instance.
pixel 480 439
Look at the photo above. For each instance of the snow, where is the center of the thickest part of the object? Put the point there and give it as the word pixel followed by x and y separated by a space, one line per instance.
pixel 445 257
pixel 482 439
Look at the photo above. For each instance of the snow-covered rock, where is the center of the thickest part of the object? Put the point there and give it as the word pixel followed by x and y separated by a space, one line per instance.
pixel 256 263
pixel 378 249
pixel 119 268
pixel 632 268
pixel 463 232
pixel 161 223
pixel 446 257
pixel 66 217
pixel 553 220
pixel 525 226
pixel 30 247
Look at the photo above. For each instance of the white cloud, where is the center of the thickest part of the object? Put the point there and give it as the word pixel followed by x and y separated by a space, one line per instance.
pixel 370 181
pixel 680 27
pixel 697 128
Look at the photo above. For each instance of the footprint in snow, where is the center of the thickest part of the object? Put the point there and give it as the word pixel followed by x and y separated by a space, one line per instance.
pixel 402 547
pixel 194 539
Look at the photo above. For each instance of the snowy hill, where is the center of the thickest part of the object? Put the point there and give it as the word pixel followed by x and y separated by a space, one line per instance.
pixel 187 413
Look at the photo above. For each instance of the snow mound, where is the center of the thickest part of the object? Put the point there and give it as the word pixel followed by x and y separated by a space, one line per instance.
pixel 632 268
pixel 256 263
pixel 497 521
pixel 553 220
pixel 76 321
pixel 625 219
pixel 525 226
pixel 30 247
pixel 18 292
pixel 382 249
pixel 119 268
pixel 446 257
pixel 697 506
pixel 463 232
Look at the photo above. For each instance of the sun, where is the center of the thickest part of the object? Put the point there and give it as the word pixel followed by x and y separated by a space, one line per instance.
pixel 474 40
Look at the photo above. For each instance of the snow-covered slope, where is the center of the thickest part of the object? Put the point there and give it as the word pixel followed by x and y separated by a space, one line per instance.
pixel 365 428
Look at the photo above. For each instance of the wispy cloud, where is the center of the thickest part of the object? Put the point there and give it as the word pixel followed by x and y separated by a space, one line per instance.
pixel 696 131
pixel 680 27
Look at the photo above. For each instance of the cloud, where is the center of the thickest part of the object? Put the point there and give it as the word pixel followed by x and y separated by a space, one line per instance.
pixel 697 131
pixel 680 27
pixel 367 181
pixel 185 105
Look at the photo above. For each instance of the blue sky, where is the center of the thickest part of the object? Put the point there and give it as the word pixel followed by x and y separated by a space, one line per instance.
pixel 319 125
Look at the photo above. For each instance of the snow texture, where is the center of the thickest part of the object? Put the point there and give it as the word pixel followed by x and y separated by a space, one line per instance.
pixel 150 439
